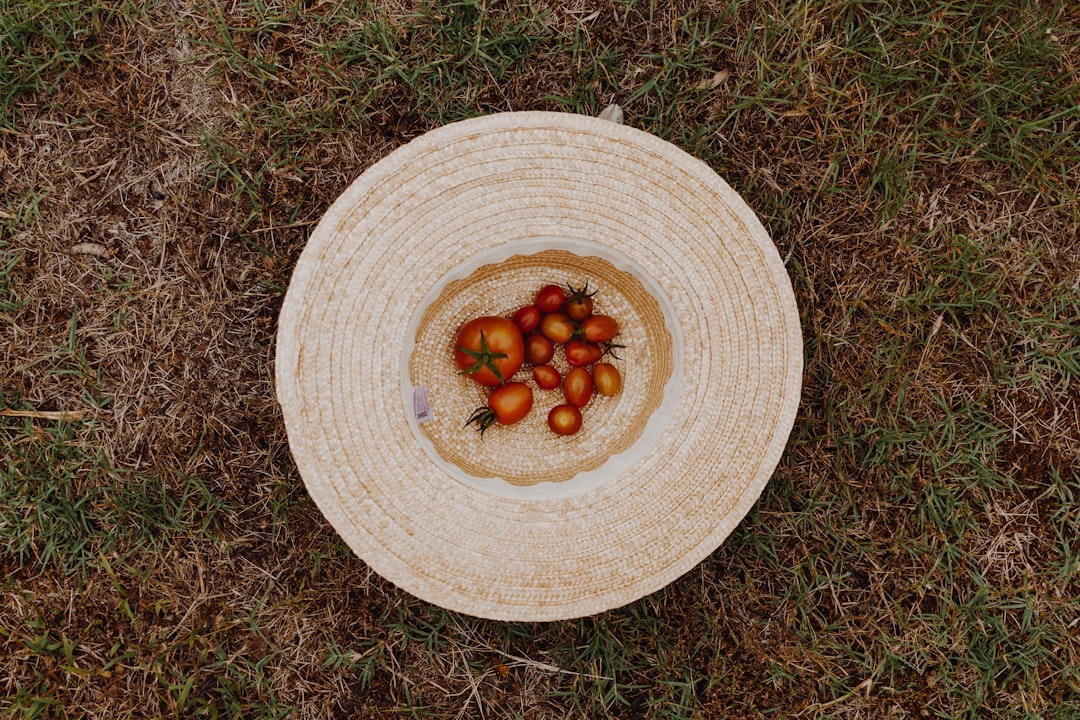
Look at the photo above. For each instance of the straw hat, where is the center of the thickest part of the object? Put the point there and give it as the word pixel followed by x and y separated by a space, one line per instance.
pixel 472 219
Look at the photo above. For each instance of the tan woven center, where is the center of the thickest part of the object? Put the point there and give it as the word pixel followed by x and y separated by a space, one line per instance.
pixel 528 452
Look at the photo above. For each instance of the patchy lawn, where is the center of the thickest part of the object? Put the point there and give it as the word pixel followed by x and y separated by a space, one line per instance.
pixel 915 555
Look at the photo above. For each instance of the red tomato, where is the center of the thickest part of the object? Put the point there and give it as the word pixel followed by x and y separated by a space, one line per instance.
pixel 547 377
pixel 557 327
pixel 507 404
pixel 599 328
pixel 582 352
pixel 489 350
pixel 577 387
pixel 564 419
pixel 579 305
pixel 511 402
pixel 527 319
pixel 606 379
pixel 538 349
pixel 550 298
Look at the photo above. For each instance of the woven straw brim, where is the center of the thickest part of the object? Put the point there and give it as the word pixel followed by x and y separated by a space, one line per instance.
pixel 660 474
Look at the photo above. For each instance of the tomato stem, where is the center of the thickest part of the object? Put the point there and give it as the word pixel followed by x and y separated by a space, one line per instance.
pixel 576 294
pixel 484 417
pixel 609 349
pixel 484 357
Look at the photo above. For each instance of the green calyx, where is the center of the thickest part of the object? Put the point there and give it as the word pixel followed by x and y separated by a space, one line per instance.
pixel 483 417
pixel 483 358
pixel 609 348
pixel 579 294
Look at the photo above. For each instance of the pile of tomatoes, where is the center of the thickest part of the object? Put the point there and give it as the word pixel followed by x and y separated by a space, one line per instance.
pixel 491 350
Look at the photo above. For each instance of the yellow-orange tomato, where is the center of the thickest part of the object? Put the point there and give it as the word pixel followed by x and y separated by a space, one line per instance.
pixel 606 379
pixel 557 327
pixel 564 419
pixel 579 309
pixel 579 303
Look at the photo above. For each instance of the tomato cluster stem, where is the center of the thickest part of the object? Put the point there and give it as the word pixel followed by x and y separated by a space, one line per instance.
pixel 484 417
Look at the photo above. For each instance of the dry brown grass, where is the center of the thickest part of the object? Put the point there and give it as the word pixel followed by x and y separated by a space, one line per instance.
pixel 175 181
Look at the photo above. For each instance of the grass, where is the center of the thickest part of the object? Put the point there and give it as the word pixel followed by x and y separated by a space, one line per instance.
pixel 915 554
pixel 44 40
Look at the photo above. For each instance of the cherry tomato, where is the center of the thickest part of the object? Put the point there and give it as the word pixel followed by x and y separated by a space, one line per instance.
pixel 507 404
pixel 582 352
pixel 564 419
pixel 599 328
pixel 579 304
pixel 489 350
pixel 538 349
pixel 547 377
pixel 511 402
pixel 550 298
pixel 527 319
pixel 579 309
pixel 606 379
pixel 557 327
pixel 577 387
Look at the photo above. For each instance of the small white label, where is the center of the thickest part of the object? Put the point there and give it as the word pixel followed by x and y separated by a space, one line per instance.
pixel 421 404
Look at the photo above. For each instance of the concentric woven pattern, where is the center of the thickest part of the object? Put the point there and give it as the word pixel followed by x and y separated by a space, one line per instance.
pixel 476 185
pixel 528 452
